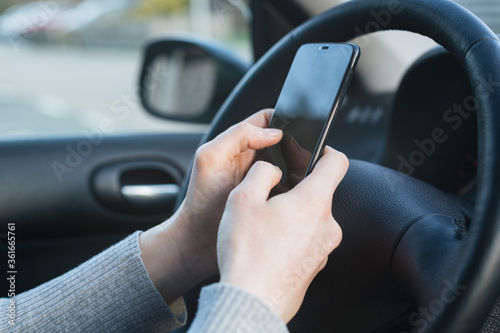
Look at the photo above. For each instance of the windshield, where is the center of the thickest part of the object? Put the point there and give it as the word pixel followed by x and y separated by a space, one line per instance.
pixel 387 55
pixel 486 10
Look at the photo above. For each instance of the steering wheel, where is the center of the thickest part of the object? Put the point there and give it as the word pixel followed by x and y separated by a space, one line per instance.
pixel 409 251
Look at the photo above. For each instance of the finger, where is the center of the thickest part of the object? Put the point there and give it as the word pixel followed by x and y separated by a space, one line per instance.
pixel 261 118
pixel 326 175
pixel 259 181
pixel 243 136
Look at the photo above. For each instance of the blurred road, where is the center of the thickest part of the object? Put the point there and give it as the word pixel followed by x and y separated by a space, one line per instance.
pixel 55 90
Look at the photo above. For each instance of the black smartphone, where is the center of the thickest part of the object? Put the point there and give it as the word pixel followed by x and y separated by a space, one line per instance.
pixel 312 94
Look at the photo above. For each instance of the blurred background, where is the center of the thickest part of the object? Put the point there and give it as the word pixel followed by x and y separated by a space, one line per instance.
pixel 67 64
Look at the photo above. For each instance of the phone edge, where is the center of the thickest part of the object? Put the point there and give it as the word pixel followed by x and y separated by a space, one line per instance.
pixel 336 106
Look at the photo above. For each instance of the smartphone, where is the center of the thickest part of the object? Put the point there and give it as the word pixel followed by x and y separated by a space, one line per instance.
pixel 310 97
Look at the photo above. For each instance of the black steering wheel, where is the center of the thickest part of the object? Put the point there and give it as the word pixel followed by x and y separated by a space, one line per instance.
pixel 409 252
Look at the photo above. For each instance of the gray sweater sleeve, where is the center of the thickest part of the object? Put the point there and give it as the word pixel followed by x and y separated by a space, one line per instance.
pixel 111 292
pixel 226 308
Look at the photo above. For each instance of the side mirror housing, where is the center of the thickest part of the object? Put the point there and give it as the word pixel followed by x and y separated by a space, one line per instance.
pixel 188 79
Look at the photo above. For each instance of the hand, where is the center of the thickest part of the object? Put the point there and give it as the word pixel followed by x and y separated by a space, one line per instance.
pixel 274 248
pixel 220 165
pixel 185 246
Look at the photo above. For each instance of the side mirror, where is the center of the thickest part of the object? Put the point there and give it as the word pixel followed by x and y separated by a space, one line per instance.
pixel 188 79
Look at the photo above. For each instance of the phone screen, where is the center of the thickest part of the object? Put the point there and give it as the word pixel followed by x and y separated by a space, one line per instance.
pixel 312 92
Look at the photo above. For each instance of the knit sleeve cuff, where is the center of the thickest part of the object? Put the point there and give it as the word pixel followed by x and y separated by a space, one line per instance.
pixel 112 292
pixel 226 308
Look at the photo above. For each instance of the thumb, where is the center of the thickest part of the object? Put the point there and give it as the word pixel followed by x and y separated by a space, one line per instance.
pixel 259 181
pixel 243 136
pixel 326 175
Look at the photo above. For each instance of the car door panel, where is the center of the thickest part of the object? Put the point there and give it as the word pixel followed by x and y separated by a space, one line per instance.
pixel 48 190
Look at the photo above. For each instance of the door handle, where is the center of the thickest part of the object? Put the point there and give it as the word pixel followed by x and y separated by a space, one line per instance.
pixel 138 187
pixel 146 195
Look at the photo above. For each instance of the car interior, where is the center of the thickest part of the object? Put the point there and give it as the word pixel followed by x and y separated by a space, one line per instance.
pixel 419 206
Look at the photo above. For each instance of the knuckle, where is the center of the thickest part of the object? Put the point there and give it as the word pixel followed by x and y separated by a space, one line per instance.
pixel 204 154
pixel 202 150
pixel 334 234
pixel 263 165
pixel 323 264
pixel 239 195
pixel 326 215
pixel 266 168
pixel 260 164
pixel 243 127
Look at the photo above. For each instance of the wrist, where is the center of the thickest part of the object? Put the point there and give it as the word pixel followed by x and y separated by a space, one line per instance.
pixel 174 259
pixel 200 239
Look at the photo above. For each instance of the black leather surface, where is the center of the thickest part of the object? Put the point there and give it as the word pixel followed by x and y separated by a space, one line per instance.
pixel 428 98
pixel 475 262
pixel 374 206
pixel 478 258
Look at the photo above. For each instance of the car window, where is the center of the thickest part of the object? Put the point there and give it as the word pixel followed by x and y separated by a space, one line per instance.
pixel 69 66
pixel 486 10
pixel 387 55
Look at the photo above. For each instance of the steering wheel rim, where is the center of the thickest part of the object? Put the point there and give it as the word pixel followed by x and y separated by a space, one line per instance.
pixel 477 49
